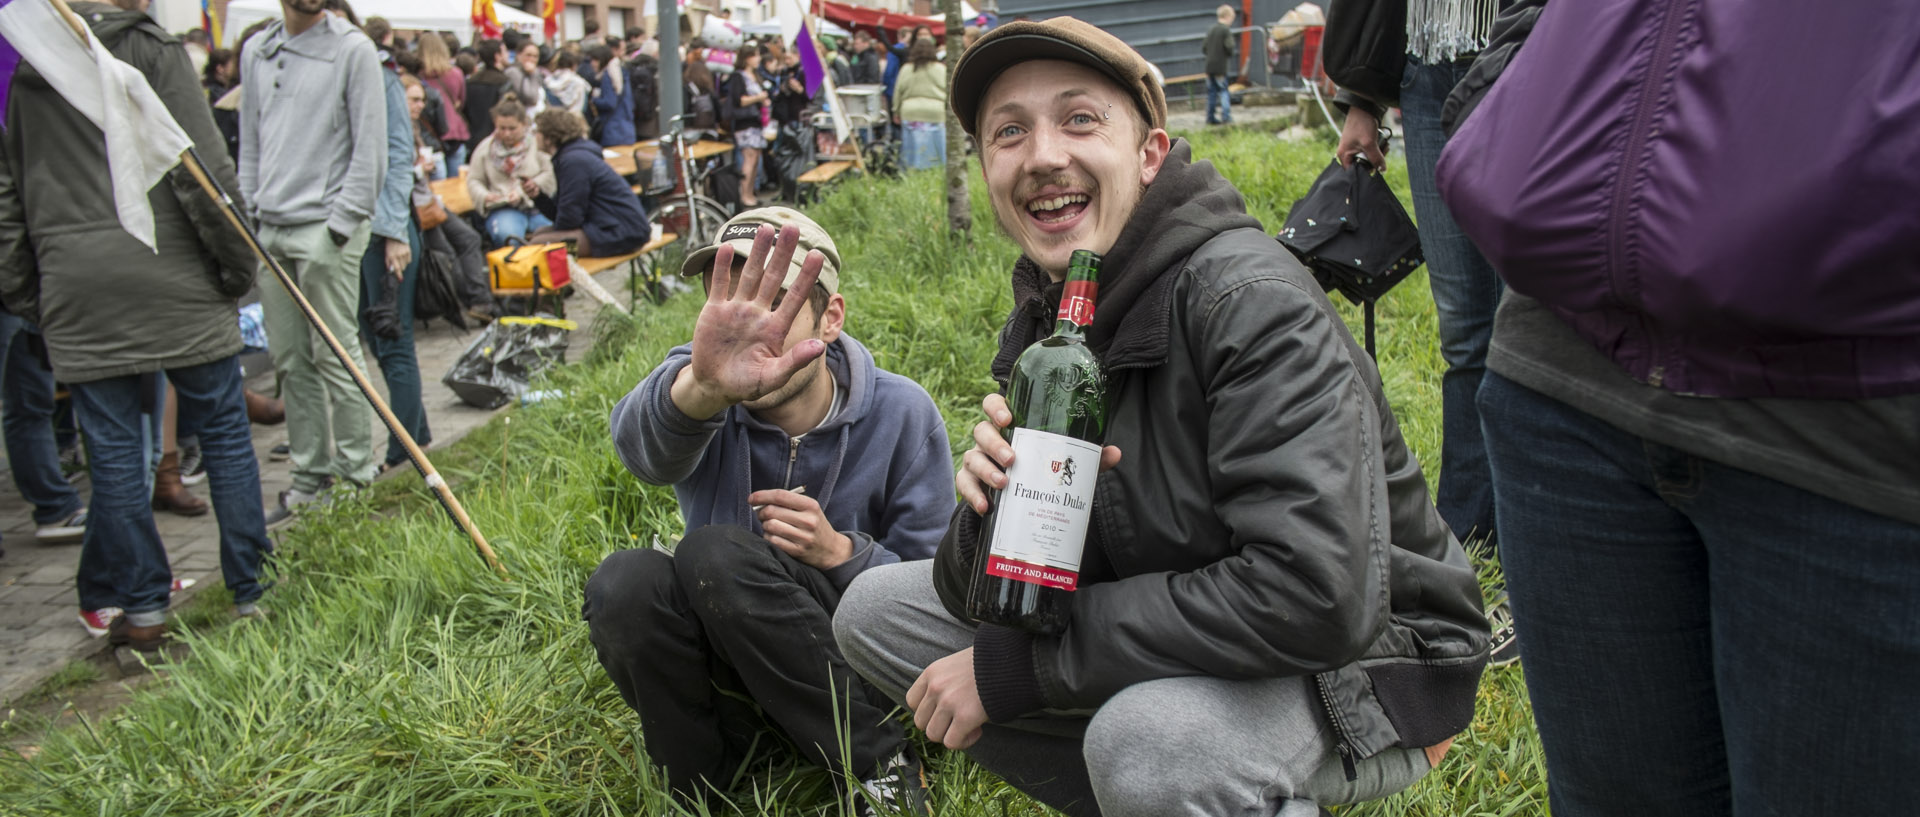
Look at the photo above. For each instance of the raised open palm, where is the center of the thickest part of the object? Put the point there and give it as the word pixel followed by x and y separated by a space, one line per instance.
pixel 739 343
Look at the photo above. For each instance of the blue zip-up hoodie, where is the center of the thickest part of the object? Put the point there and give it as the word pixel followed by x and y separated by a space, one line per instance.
pixel 881 469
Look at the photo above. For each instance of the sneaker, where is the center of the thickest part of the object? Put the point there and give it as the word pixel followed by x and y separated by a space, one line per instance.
pixel 65 531
pixel 290 500
pixel 280 453
pixel 1506 641
pixel 251 611
pixel 122 633
pixel 193 467
pixel 97 621
pixel 899 788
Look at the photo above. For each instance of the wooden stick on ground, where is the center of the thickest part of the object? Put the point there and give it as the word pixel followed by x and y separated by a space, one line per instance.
pixel 433 479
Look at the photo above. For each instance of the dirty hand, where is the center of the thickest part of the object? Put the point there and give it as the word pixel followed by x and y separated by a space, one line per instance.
pixel 983 467
pixel 794 523
pixel 946 702
pixel 1360 137
pixel 739 341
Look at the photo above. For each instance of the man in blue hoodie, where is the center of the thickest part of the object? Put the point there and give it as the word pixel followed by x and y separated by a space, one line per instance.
pixel 798 464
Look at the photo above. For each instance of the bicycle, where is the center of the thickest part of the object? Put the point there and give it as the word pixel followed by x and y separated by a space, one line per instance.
pixel 678 207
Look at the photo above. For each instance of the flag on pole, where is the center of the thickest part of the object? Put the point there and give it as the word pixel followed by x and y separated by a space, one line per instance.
pixel 795 28
pixel 211 22
pixel 485 19
pixel 143 141
pixel 550 17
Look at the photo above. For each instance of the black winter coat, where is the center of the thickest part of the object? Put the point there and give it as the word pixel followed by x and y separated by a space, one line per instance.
pixel 589 196
pixel 484 90
pixel 1266 520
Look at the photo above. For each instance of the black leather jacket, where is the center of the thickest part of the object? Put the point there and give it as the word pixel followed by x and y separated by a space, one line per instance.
pixel 1266 520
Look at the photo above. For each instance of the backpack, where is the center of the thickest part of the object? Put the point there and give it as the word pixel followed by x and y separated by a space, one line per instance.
pixel 437 293
pixel 705 109
pixel 643 78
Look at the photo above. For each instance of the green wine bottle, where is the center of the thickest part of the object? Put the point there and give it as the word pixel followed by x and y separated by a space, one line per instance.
pixel 1027 560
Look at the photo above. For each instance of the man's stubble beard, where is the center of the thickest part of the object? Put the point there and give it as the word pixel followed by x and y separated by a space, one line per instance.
pixel 794 387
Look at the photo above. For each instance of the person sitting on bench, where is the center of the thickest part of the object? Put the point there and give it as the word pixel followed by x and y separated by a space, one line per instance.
pixel 590 205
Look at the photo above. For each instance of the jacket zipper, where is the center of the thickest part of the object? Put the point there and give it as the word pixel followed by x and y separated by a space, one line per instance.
pixel 1340 745
pixel 793 453
pixel 1658 64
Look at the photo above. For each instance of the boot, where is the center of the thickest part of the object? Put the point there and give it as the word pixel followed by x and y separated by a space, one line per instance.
pixel 169 494
pixel 264 410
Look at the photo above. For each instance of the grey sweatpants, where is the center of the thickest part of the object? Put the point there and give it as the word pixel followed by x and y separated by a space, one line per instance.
pixel 1176 746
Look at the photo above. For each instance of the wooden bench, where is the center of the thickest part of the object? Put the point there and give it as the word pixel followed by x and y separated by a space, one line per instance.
pixel 1185 82
pixel 651 273
pixel 821 174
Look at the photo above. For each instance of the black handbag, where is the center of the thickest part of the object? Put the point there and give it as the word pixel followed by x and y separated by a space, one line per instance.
pixel 1364 47
pixel 1352 232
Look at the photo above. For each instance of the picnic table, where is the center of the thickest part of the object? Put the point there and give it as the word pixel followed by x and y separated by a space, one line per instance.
pixel 625 159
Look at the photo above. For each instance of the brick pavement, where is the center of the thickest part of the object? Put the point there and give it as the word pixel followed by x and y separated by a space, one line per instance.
pixel 39 626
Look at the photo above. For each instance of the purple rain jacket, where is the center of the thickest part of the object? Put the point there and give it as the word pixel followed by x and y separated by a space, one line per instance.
pixel 1722 196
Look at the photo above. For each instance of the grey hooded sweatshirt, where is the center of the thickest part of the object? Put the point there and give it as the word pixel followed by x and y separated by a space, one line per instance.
pixel 881 468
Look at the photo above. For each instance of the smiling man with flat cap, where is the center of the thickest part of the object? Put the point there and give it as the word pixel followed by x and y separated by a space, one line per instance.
pixel 798 464
pixel 1271 616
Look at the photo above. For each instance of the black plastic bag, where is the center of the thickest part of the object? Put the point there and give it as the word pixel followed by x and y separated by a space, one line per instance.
pixel 497 367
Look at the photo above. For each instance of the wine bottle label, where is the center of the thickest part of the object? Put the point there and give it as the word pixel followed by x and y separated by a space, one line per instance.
pixel 1041 522
pixel 1076 302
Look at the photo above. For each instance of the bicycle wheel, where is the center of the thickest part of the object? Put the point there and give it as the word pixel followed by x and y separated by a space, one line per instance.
pixel 707 217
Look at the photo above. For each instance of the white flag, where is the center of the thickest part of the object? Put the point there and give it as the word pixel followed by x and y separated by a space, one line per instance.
pixel 143 141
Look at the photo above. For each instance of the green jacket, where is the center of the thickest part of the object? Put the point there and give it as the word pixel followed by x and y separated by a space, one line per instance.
pixel 107 305
pixel 921 95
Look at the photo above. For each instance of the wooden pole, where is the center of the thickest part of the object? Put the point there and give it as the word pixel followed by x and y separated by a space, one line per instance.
pixel 432 477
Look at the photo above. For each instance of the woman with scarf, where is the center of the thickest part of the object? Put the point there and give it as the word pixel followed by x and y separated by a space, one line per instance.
pixel 507 174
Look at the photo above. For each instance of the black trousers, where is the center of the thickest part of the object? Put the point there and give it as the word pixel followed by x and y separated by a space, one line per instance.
pixel 696 639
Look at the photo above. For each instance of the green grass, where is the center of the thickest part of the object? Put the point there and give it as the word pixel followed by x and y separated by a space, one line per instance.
pixel 398 676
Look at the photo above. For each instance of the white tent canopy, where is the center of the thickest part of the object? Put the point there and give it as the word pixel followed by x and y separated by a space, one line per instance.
pixel 425 15
pixel 772 28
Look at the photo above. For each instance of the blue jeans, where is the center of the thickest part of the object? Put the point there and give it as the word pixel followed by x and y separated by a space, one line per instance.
pixel 1466 291
pixel 924 145
pixel 1702 640
pixel 1219 98
pixel 507 222
pixel 398 363
pixel 122 561
pixel 26 392
pixel 456 159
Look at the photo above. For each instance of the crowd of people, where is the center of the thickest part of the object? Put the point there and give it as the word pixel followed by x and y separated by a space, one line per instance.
pixel 1707 524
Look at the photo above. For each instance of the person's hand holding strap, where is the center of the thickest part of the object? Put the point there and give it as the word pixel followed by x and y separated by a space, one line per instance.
pixel 1360 136
pixel 739 341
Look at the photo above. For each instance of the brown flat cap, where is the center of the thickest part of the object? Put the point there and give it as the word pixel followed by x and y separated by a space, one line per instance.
pixel 1061 38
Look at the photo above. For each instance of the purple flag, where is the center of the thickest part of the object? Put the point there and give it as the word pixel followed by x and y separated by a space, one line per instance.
pixel 9 62
pixel 810 64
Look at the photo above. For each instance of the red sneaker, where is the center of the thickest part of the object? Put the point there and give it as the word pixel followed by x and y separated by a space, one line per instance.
pixel 97 621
